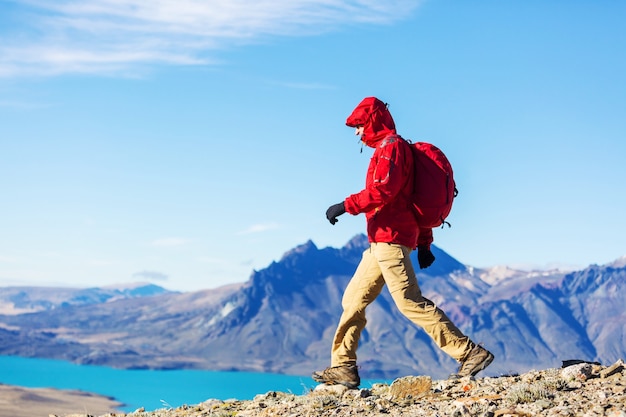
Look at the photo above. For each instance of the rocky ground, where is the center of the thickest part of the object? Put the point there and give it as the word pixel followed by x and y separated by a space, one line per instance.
pixel 580 389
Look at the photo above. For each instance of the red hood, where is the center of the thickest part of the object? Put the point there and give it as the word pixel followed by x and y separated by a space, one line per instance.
pixel 375 118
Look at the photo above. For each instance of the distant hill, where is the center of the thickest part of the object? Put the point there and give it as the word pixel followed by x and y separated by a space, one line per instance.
pixel 19 300
pixel 283 319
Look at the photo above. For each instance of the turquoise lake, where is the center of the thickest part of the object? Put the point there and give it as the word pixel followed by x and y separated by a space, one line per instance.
pixel 151 389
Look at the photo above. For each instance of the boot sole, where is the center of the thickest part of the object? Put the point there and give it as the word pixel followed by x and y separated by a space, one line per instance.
pixel 320 379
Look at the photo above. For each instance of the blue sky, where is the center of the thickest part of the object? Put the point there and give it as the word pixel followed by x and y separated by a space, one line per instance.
pixel 190 142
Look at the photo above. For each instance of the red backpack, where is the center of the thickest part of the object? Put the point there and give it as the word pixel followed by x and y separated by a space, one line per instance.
pixel 434 187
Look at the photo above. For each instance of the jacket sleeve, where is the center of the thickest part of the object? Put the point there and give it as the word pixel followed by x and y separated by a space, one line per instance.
pixel 425 238
pixel 385 182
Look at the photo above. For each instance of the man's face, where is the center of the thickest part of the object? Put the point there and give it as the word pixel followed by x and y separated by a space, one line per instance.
pixel 358 131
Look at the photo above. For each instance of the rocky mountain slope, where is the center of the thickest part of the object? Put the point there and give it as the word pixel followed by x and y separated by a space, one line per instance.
pixel 578 390
pixel 283 318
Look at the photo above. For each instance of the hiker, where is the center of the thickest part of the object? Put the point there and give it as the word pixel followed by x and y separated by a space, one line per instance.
pixel 393 233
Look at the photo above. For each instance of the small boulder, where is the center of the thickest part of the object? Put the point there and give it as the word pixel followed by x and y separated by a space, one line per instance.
pixel 410 387
pixel 336 389
pixel 579 372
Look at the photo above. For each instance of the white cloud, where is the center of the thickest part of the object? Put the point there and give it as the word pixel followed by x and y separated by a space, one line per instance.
pixel 100 263
pixel 8 259
pixel 259 228
pixel 209 260
pixel 151 275
pixel 170 241
pixel 120 36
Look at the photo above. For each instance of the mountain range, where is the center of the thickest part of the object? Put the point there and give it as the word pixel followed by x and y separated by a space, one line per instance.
pixel 283 319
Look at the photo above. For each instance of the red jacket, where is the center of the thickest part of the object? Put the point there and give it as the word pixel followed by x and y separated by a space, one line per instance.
pixel 384 199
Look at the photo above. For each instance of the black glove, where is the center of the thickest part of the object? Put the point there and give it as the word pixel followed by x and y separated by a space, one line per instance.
pixel 335 211
pixel 425 257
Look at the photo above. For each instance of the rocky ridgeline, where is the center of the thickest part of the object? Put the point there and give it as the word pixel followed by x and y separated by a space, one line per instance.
pixel 580 389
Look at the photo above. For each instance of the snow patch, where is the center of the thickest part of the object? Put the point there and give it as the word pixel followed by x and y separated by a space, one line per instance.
pixel 619 263
pixel 225 311
pixel 499 273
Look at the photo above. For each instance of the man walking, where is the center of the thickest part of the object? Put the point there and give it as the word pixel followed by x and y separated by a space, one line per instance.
pixel 393 233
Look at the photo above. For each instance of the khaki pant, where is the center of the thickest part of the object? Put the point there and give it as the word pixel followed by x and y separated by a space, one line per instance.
pixel 385 263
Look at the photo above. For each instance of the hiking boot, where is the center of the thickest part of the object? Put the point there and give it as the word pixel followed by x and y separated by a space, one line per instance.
pixel 347 375
pixel 478 359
